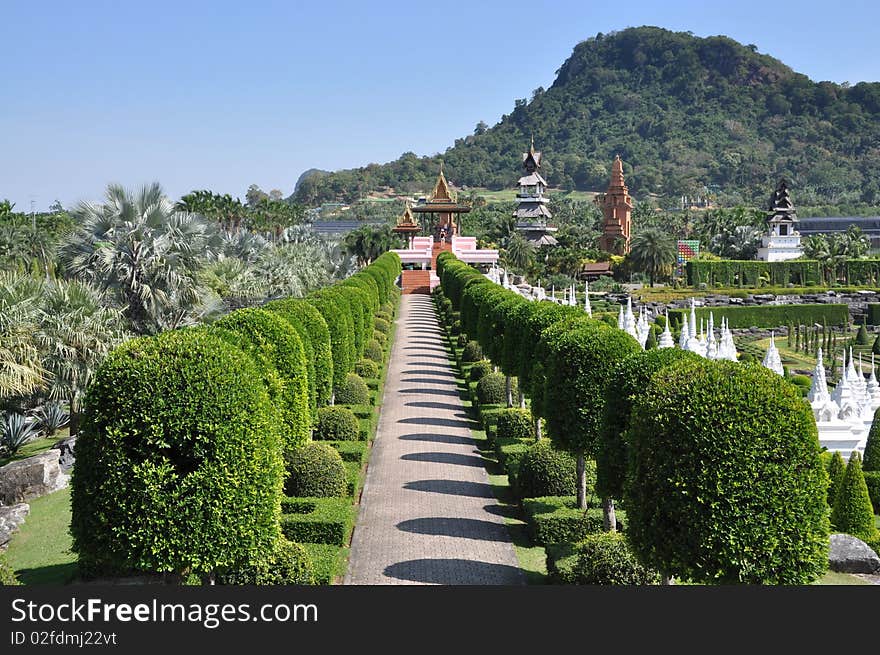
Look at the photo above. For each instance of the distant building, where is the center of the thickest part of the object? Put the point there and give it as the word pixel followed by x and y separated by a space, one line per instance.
pixel 617 206
pixel 869 225
pixel 531 212
pixel 783 240
pixel 441 208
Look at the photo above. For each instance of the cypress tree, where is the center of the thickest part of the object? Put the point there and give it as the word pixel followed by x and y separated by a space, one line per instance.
pixel 876 347
pixel 651 341
pixel 872 447
pixel 862 336
pixel 853 513
pixel 836 469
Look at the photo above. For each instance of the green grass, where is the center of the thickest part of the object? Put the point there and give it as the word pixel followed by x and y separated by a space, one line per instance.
pixel 36 447
pixel 834 578
pixel 40 552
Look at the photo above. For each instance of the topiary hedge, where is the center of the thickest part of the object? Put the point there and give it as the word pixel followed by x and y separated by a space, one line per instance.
pixel 179 463
pixel 373 350
pixel 872 481
pixel 382 325
pixel 305 317
pixel 725 482
pixel 479 370
pixel 341 343
pixel 380 337
pixel 353 391
pixel 768 316
pixel 289 564
pixel 367 368
pixel 853 512
pixel 605 558
pixel 516 423
pixel 336 424
pixel 272 335
pixel 492 389
pixel 871 460
pixel 545 471
pixel 315 470
pixel 836 470
pixel 472 352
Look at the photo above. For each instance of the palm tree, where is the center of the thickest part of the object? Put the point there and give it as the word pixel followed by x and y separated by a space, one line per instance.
pixel 21 371
pixel 653 252
pixel 520 253
pixel 144 253
pixel 369 241
pixel 77 331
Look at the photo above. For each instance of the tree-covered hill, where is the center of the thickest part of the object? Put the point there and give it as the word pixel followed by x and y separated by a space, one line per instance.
pixel 685 114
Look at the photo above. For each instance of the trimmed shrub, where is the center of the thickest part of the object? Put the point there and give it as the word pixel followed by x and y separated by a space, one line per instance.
pixel 472 352
pixel 336 423
pixel 380 337
pixel 382 325
pixel 373 350
pixel 289 564
pixel 388 317
pixel 315 470
pixel 862 336
pixel 455 328
pixel 179 463
pixel 305 317
pixel 462 340
pixel 768 316
pixel 555 519
pixel 704 499
pixel 353 392
pixel 341 343
pixel 545 471
pixel 7 575
pixel 491 389
pixel 605 558
pixel 318 520
pixel 871 461
pixel 269 333
pixel 836 471
pixel 853 512
pixel 876 347
pixel 872 481
pixel 479 370
pixel 516 423
pixel 366 368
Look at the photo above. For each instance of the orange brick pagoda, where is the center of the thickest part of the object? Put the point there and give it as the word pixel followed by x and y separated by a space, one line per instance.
pixel 617 206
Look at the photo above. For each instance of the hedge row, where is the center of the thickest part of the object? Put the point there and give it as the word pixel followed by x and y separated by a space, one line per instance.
pixel 554 519
pixel 318 520
pixel 768 316
pixel 800 272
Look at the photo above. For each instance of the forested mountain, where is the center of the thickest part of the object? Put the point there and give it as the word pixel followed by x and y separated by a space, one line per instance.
pixel 685 114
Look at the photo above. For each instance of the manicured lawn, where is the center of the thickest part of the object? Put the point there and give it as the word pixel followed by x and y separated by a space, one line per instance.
pixel 40 552
pixel 36 447
pixel 834 578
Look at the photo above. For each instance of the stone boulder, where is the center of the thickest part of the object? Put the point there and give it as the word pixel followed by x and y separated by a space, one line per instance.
pixel 32 477
pixel 11 517
pixel 852 555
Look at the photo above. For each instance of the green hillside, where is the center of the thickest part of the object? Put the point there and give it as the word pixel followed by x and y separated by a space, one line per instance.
pixel 685 113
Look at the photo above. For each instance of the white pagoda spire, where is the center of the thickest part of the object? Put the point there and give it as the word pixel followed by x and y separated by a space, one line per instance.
pixel 685 336
pixel 693 327
pixel 572 297
pixel 666 340
pixel 873 387
pixel 587 307
pixel 629 324
pixel 621 321
pixel 772 359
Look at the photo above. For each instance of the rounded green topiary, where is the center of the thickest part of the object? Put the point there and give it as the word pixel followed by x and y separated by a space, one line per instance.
pixel 836 471
pixel 354 391
pixel 341 343
pixel 479 370
pixel 455 328
pixel 7 575
pixel 315 470
pixel 853 513
pixel 462 340
pixel 515 423
pixel 726 483
pixel 373 350
pixel 545 471
pixel 628 381
pixel 491 389
pixel 272 335
pixel 862 336
pixel 472 352
pixel 382 325
pixel 367 368
pixel 380 337
pixel 179 463
pixel 336 423
pixel 302 315
pixel 651 341
pixel 605 558
pixel 871 461
pixel 388 317
pixel 288 564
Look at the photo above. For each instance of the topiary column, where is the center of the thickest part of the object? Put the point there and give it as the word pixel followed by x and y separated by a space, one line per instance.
pixel 872 446
pixel 852 511
pixel 836 470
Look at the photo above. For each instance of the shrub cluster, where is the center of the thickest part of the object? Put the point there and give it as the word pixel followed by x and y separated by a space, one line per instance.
pixel 515 423
pixel 545 471
pixel 353 391
pixel 336 423
pixel 480 369
pixel 472 352
pixel 605 558
pixel 492 389
pixel 315 470
pixel 288 564
pixel 366 368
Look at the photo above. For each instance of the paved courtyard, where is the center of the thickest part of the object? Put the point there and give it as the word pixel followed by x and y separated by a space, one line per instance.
pixel 427 514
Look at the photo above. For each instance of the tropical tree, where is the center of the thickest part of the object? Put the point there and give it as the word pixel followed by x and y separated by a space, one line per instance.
pixel 653 252
pixel 145 254
pixel 21 371
pixel 369 241
pixel 520 254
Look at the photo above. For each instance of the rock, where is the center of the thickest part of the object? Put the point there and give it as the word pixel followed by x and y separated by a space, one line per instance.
pixel 66 457
pixel 852 555
pixel 31 478
pixel 11 517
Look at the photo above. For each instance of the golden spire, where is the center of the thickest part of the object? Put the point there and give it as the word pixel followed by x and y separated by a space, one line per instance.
pixel 406 218
pixel 441 189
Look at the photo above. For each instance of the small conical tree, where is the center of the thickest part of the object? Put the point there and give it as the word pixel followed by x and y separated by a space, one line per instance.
pixel 836 470
pixel 852 512
pixel 876 347
pixel 872 446
pixel 651 341
pixel 862 336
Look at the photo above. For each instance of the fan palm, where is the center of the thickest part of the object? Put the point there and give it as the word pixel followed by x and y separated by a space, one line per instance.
pixel 21 371
pixel 653 252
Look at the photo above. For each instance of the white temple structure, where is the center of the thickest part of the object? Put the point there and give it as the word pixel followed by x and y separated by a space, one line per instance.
pixel 782 241
pixel 772 360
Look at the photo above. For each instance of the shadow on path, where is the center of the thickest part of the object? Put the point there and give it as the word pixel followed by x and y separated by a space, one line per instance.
pixel 439 438
pixel 452 488
pixel 432 420
pixel 444 458
pixel 454 571
pixel 445 526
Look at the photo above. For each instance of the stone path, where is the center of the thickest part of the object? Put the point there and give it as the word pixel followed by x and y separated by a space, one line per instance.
pixel 427 513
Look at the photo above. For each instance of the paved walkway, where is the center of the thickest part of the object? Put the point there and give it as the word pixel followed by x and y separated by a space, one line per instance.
pixel 427 513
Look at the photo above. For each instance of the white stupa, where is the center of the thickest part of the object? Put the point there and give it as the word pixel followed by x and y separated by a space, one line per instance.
pixel 629 320
pixel 693 326
pixel 772 359
pixel 587 307
pixel 873 387
pixel 572 297
pixel 621 319
pixel 666 340
pixel 685 336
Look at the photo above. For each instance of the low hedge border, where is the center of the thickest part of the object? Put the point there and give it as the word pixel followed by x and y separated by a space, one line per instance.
pixel 328 562
pixel 351 451
pixel 554 519
pixel 561 559
pixel 768 316
pixel 329 522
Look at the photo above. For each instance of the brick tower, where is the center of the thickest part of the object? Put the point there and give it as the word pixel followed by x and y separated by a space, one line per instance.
pixel 617 206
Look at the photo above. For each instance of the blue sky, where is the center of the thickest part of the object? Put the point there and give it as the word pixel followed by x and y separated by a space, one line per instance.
pixel 223 94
